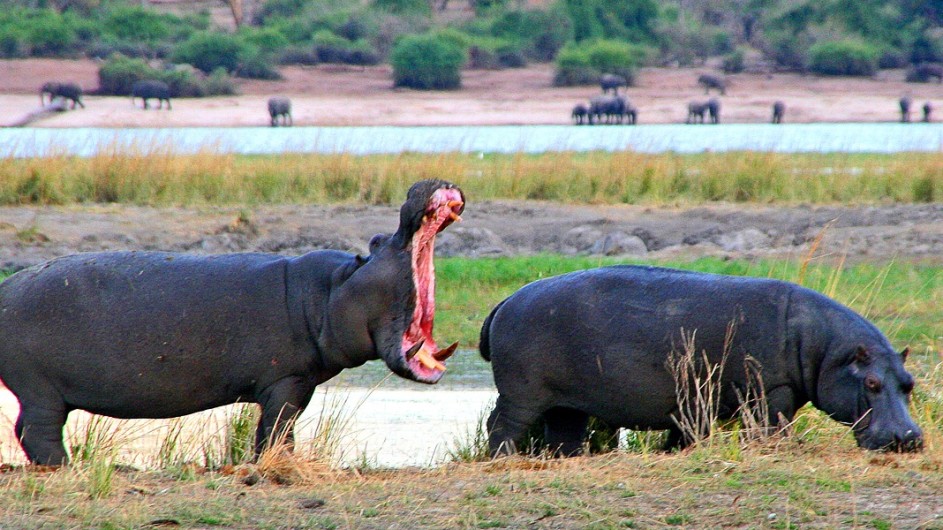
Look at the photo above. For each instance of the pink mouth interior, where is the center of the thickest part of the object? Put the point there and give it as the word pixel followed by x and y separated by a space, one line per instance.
pixel 439 214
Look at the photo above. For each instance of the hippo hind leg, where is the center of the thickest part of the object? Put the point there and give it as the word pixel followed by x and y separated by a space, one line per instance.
pixel 39 430
pixel 282 403
pixel 565 430
pixel 507 425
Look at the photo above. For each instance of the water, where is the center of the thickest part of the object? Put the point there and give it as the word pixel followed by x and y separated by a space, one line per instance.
pixel 378 427
pixel 816 137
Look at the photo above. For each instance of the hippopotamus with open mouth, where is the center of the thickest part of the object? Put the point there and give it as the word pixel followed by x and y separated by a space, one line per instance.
pixel 598 343
pixel 157 335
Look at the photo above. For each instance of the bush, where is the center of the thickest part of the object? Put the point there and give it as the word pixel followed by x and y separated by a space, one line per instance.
pixel 265 39
pixel 48 34
pixel 209 50
pixel 298 55
pixel 257 65
pixel 789 51
pixel 582 64
pixel 119 73
pixel 733 62
pixel 138 23
pixel 331 48
pixel 416 7
pixel 12 45
pixel 427 62
pixel 843 57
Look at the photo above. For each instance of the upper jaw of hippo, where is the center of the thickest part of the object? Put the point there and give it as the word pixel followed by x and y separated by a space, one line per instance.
pixel 422 360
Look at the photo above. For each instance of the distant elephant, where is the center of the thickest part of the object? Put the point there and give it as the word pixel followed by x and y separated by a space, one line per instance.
pixel 151 89
pixel 709 81
pixel 905 103
pixel 580 114
pixel 612 107
pixel 70 91
pixel 612 82
pixel 713 110
pixel 696 110
pixel 631 114
pixel 280 106
pixel 927 109
pixel 924 71
pixel 779 109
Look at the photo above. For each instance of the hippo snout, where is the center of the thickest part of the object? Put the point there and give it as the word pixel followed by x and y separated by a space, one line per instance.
pixel 907 440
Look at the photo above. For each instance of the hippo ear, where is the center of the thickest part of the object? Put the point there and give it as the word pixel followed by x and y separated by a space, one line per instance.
pixel 904 354
pixel 360 260
pixel 862 356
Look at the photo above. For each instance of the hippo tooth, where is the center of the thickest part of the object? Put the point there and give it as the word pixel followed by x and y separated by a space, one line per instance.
pixel 428 361
pixel 455 217
pixel 453 204
pixel 442 355
pixel 410 353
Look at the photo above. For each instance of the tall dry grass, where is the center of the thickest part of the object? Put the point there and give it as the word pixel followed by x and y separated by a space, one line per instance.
pixel 159 176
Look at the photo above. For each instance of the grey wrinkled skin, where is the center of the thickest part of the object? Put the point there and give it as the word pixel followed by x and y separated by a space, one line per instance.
pixel 69 91
pixel 579 114
pixel 713 110
pixel 710 81
pixel 696 111
pixel 779 110
pixel 905 103
pixel 158 335
pixel 612 82
pixel 598 343
pixel 151 89
pixel 612 108
pixel 279 106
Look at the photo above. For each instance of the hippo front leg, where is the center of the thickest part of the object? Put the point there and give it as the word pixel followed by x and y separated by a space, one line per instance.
pixel 565 430
pixel 782 407
pixel 281 403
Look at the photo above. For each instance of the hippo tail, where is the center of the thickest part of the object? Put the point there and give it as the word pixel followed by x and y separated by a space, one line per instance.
pixel 484 342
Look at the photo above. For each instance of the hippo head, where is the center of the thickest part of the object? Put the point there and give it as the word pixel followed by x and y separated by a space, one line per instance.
pixel 867 387
pixel 387 305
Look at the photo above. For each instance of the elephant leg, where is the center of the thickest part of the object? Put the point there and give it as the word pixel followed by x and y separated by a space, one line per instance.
pixel 507 424
pixel 145 103
pixel 39 430
pixel 282 403
pixel 565 430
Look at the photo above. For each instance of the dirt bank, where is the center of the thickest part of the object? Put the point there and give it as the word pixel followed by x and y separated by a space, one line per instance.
pixel 334 96
pixel 29 235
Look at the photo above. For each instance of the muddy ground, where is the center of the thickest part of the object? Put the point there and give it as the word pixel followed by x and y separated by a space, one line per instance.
pixel 29 235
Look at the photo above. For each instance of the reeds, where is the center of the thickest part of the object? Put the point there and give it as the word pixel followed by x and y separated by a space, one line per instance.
pixel 160 176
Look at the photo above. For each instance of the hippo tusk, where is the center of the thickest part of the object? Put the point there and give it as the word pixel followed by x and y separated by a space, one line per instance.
pixel 428 361
pixel 410 353
pixel 455 217
pixel 442 355
pixel 453 204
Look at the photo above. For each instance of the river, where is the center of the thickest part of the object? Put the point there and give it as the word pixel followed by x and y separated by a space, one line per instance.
pixel 814 137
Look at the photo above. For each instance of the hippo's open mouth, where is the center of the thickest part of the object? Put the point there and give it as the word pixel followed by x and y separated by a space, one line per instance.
pixel 423 358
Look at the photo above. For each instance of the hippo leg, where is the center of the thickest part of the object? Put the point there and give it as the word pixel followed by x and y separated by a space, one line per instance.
pixel 281 403
pixel 782 402
pixel 507 424
pixel 565 430
pixel 39 430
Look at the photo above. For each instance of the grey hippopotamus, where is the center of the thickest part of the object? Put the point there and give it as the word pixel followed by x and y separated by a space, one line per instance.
pixel 157 335
pixel 597 343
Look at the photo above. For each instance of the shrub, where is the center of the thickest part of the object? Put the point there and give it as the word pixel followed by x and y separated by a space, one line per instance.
pixel 208 50
pixel 257 65
pixel 733 62
pixel 427 62
pixel 11 44
pixel 420 7
pixel 298 55
pixel 265 39
pixel 789 51
pixel 119 73
pixel 581 64
pixel 843 57
pixel 219 84
pixel 134 22
pixel 48 34
pixel 331 48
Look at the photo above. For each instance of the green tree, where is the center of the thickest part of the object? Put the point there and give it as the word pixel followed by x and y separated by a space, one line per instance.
pixel 427 61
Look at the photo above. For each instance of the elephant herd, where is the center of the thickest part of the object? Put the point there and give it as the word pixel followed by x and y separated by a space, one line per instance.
pixel 906 102
pixel 279 107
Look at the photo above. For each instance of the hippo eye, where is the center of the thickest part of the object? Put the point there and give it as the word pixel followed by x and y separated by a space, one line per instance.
pixel 872 383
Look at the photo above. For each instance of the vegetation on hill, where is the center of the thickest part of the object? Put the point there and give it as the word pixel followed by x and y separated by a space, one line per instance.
pixel 584 37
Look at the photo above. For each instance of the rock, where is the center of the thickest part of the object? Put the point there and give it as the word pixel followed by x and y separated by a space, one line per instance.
pixel 580 239
pixel 619 244
pixel 469 242
pixel 744 240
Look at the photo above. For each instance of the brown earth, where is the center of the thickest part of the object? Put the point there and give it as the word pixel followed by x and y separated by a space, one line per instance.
pixel 330 96
pixel 344 96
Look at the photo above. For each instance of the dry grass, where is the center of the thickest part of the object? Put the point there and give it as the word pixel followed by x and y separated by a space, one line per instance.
pixel 158 176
